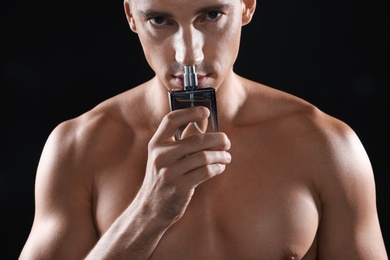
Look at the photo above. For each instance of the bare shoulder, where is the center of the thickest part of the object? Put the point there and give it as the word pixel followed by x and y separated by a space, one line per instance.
pixel 84 141
pixel 328 153
pixel 303 126
pixel 76 152
pixel 328 150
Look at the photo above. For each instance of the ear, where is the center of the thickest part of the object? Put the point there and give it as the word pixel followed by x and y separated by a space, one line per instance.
pixel 129 15
pixel 248 9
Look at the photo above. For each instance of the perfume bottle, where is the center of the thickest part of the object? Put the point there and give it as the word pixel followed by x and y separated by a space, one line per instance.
pixel 193 96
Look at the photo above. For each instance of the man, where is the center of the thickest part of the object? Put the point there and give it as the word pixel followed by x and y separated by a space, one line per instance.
pixel 282 180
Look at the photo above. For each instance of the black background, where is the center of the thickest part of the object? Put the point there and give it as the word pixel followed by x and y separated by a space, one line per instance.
pixel 61 58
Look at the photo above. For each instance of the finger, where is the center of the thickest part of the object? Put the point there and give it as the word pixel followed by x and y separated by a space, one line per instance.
pixel 202 174
pixel 201 166
pixel 200 142
pixel 175 119
pixel 201 159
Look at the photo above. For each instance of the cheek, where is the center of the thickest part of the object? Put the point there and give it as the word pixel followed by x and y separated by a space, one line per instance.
pixel 224 47
pixel 158 52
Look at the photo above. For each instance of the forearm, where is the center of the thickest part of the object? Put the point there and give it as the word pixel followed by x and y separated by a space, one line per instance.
pixel 134 235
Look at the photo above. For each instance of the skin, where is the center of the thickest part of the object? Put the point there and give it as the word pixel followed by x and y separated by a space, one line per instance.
pixel 283 180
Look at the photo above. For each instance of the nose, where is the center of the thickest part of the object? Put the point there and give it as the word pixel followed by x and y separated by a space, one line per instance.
pixel 189 46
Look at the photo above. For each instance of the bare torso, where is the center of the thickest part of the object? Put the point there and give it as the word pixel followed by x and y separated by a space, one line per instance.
pixel 299 185
pixel 249 212
pixel 264 206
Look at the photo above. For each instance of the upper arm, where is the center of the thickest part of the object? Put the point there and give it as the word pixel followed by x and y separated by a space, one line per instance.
pixel 349 226
pixel 63 225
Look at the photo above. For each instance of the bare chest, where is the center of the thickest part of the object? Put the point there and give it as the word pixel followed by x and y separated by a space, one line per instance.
pixel 262 207
pixel 251 211
pixel 243 215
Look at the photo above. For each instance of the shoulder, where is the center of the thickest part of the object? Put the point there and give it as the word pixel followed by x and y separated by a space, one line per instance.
pixel 99 129
pixel 328 155
pixel 327 148
pixel 71 160
pixel 76 154
pixel 91 139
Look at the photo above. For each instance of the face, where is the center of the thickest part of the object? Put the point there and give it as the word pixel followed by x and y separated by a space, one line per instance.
pixel 174 33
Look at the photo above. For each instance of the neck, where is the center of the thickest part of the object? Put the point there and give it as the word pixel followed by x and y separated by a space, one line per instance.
pixel 230 98
pixel 156 98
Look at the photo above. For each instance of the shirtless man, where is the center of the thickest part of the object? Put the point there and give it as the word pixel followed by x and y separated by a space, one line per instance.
pixel 282 180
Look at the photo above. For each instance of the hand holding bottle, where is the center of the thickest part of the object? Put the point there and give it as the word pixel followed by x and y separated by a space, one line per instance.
pixel 175 168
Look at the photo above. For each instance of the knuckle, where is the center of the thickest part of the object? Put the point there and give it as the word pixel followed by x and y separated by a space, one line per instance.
pixel 202 156
pixel 197 140
pixel 167 121
pixel 157 157
pixel 212 170
pixel 164 173
pixel 151 145
pixel 168 118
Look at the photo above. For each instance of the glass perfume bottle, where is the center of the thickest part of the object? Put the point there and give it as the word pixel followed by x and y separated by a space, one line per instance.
pixel 193 96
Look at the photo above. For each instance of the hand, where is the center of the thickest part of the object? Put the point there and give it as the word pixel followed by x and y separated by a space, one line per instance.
pixel 175 168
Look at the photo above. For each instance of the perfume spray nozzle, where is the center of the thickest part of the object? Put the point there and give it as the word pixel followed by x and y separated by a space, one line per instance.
pixel 190 78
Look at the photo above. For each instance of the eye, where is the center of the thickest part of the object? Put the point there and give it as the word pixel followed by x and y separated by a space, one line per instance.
pixel 214 15
pixel 158 20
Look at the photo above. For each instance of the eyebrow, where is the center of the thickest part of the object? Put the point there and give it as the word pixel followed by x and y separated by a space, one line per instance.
pixel 206 9
pixel 212 8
